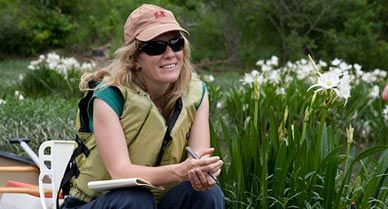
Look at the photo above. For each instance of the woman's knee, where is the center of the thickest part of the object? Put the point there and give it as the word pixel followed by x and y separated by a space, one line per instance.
pixel 213 198
pixel 184 196
pixel 136 198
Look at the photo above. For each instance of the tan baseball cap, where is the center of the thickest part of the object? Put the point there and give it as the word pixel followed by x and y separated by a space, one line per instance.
pixel 147 22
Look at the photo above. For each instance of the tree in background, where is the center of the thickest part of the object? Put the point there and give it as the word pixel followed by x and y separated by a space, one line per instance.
pixel 223 32
pixel 243 31
pixel 30 27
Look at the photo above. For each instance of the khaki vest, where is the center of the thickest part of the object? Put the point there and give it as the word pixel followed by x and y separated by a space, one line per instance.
pixel 144 129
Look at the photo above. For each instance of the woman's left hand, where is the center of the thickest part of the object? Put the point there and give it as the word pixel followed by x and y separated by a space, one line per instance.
pixel 201 181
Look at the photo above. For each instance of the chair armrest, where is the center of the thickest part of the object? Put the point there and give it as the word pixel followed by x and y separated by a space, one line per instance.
pixel 19 169
pixel 25 190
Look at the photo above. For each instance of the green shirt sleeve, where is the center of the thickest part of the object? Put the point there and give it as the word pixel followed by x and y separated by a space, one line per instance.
pixel 204 89
pixel 112 96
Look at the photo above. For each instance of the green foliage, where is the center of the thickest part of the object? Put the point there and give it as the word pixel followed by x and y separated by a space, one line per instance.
pixel 29 28
pixel 99 24
pixel 38 119
pixel 14 36
pixel 291 152
pixel 51 32
pixel 52 74
pixel 299 149
pixel 44 82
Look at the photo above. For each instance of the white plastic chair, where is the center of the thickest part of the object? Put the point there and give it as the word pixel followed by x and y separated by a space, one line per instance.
pixel 53 158
pixel 59 155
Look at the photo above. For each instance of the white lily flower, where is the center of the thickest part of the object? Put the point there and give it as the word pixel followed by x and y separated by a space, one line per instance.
pixel 31 67
pixel 60 64
pixel 336 62
pixel 274 60
pixel 61 68
pixel 328 80
pixel 208 78
pixel 255 73
pixel 345 66
pixel 337 80
pixel 303 62
pixel 344 88
pixel 2 101
pixel 219 105
pixel 266 68
pixel 53 57
pixel 34 64
pixel 385 113
pixel 383 74
pixel 288 79
pixel 52 65
pixel 379 74
pixel 274 76
pixel 322 63
pixel 369 77
pixel 357 67
pixel 70 63
pixel 260 80
pixel 290 65
pixel 376 71
pixel 88 66
pixel 280 91
pixel 248 79
pixel 260 62
pixel 338 70
pixel 253 76
pixel 374 93
pixel 304 71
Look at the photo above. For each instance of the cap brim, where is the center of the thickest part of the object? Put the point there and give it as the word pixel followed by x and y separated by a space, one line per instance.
pixel 152 32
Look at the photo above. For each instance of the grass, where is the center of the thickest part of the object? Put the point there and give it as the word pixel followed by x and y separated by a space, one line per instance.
pixel 10 72
pixel 38 119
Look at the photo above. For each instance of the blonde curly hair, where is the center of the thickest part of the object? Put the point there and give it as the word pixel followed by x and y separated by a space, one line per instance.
pixel 122 72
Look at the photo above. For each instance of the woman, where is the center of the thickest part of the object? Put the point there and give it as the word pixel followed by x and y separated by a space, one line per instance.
pixel 146 108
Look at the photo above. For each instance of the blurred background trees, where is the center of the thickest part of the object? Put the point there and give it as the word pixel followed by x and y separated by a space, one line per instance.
pixel 223 32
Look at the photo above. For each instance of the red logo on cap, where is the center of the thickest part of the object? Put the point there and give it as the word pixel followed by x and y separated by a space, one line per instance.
pixel 159 14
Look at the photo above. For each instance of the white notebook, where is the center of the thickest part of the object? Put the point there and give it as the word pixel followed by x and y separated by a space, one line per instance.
pixel 103 185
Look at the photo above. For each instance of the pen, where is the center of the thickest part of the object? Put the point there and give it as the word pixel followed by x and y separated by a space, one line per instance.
pixel 195 156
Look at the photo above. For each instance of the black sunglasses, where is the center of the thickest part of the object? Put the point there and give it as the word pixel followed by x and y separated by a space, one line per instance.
pixel 154 48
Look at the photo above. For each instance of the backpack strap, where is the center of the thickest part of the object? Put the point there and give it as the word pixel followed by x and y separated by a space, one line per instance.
pixel 170 124
pixel 71 168
pixel 83 106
